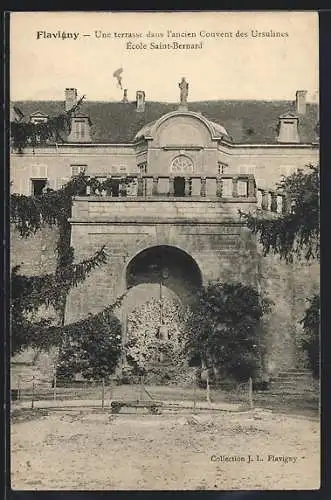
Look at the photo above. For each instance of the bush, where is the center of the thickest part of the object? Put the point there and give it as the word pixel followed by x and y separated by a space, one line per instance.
pixel 310 342
pixel 224 330
pixel 92 352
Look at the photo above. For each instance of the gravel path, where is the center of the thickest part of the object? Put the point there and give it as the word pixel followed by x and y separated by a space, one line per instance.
pixel 87 450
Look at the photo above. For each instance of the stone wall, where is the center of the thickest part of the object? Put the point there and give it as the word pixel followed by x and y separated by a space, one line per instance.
pixel 223 249
pixel 266 163
pixel 35 254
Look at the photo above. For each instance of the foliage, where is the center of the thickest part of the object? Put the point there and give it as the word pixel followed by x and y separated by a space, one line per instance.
pixel 97 338
pixel 25 133
pixel 223 331
pixel 296 232
pixel 147 351
pixel 28 215
pixel 311 339
pixel 91 348
pixel 33 291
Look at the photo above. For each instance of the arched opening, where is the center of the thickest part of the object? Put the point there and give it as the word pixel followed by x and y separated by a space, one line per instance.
pixel 179 186
pixel 162 282
pixel 168 265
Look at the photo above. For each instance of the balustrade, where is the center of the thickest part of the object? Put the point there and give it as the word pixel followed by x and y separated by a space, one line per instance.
pixel 273 201
pixel 220 186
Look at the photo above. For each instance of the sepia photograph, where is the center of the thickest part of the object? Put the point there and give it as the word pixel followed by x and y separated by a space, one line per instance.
pixel 164 251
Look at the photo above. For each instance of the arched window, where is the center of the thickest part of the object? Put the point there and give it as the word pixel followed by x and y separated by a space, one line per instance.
pixel 182 164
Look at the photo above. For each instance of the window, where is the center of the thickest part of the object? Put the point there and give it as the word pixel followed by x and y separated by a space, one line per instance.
pixel 182 165
pixel 142 168
pixel 77 169
pixel 221 167
pixel 38 186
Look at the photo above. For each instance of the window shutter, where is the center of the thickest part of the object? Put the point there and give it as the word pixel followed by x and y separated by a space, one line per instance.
pixel 38 171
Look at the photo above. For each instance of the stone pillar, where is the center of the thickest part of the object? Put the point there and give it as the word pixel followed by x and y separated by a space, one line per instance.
pixel 203 186
pixel 155 183
pixel 219 186
pixel 235 187
pixel 140 191
pixel 171 186
pixel 187 186
pixel 273 206
pixel 265 199
pixel 251 187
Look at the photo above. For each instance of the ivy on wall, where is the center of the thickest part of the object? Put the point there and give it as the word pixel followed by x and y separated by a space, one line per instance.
pixel 29 214
pixel 295 233
pixel 25 133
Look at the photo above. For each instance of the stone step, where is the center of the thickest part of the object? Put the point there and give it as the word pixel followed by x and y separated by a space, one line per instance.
pixel 290 381
pixel 297 393
pixel 306 380
pixel 295 374
pixel 296 371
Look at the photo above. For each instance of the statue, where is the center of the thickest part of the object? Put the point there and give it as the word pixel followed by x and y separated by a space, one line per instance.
pixel 183 85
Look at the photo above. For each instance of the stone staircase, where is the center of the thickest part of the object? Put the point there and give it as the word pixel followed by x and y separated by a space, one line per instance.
pixel 294 381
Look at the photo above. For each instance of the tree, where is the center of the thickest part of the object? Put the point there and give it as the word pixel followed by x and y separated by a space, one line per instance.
pixel 91 348
pixel 29 214
pixel 311 339
pixel 295 234
pixel 223 331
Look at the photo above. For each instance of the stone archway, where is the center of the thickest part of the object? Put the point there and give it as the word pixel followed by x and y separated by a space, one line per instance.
pixel 160 275
pixel 169 265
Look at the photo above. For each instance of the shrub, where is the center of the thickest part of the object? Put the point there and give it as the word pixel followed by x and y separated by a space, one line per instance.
pixel 310 341
pixel 93 352
pixel 224 331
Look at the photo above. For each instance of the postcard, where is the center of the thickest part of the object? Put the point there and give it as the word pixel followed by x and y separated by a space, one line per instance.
pixel 164 210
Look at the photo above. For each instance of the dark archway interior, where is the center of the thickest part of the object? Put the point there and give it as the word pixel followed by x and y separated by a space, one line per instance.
pixel 179 186
pixel 168 265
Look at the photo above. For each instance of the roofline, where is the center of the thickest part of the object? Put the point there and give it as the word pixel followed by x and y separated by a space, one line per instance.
pixel 314 146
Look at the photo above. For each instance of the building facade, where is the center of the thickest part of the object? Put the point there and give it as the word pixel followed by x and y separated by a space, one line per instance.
pixel 178 176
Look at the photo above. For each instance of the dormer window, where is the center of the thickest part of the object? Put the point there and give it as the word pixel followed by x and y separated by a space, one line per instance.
pixel 288 128
pixel 80 129
pixel 38 117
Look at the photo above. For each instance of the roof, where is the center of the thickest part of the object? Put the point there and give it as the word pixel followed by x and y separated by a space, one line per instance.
pixel 216 129
pixel 39 113
pixel 248 122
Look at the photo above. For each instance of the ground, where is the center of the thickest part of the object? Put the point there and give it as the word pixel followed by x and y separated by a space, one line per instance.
pixel 91 449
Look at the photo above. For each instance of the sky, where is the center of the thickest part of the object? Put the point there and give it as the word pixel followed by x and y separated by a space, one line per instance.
pixel 226 67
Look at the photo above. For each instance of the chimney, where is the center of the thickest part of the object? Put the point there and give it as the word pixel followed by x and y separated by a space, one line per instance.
pixel 70 98
pixel 288 128
pixel 140 98
pixel 125 95
pixel 300 101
